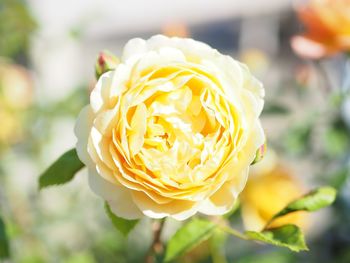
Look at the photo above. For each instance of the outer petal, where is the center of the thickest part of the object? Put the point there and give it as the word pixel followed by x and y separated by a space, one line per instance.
pixel 110 86
pixel 256 90
pixel 195 50
pixel 224 198
pixel 177 209
pixel 134 47
pixel 82 131
pixel 99 96
pixel 119 198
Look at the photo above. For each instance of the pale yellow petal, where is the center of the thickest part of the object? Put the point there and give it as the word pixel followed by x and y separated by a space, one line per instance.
pixel 118 197
pixel 177 209
pixel 138 129
pixel 99 97
pixel 82 131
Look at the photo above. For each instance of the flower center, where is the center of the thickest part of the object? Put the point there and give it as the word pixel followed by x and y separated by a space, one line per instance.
pixel 181 128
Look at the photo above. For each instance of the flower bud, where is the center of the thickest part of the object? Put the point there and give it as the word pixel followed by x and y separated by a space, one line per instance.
pixel 106 61
pixel 260 153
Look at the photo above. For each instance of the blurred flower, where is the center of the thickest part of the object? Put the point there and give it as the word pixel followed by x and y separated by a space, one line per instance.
pixel 16 89
pixel 172 130
pixel 270 187
pixel 176 30
pixel 10 131
pixel 327 25
pixel 256 60
pixel 16 86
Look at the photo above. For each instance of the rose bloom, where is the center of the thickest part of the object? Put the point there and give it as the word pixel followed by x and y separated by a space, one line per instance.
pixel 171 131
pixel 271 186
pixel 16 92
pixel 16 86
pixel 327 25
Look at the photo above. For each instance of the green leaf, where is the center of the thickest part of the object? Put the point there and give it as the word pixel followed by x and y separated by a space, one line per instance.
pixel 188 236
pixel 317 199
pixel 61 171
pixel 289 236
pixel 123 225
pixel 4 245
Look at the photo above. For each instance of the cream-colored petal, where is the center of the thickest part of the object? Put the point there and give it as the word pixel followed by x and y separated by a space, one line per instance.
pixel 220 202
pixel 254 90
pixel 99 97
pixel 177 209
pixel 119 82
pixel 134 47
pixel 98 144
pixel 194 50
pixel 106 121
pixel 118 197
pixel 82 130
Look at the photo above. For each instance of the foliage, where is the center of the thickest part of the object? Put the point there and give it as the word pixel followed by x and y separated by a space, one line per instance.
pixel 4 245
pixel 121 224
pixel 188 236
pixel 61 171
pixel 16 25
pixel 289 236
pixel 315 200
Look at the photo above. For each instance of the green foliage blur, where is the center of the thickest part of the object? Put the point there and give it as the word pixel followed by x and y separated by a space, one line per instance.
pixel 16 26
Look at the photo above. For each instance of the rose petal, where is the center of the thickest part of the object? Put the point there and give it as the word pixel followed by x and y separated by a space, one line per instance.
pixel 82 130
pixel 119 198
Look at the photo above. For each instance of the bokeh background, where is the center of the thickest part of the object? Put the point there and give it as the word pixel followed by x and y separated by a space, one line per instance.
pixel 48 50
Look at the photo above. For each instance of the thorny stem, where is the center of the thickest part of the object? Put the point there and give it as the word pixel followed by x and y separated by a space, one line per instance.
pixel 157 245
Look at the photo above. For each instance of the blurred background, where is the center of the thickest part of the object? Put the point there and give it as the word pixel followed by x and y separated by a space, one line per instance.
pixel 48 50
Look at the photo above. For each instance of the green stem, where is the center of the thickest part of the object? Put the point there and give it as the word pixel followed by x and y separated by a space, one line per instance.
pixel 157 245
pixel 233 232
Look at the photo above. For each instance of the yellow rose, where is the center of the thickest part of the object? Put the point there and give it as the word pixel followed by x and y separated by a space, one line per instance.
pixel 269 189
pixel 171 131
